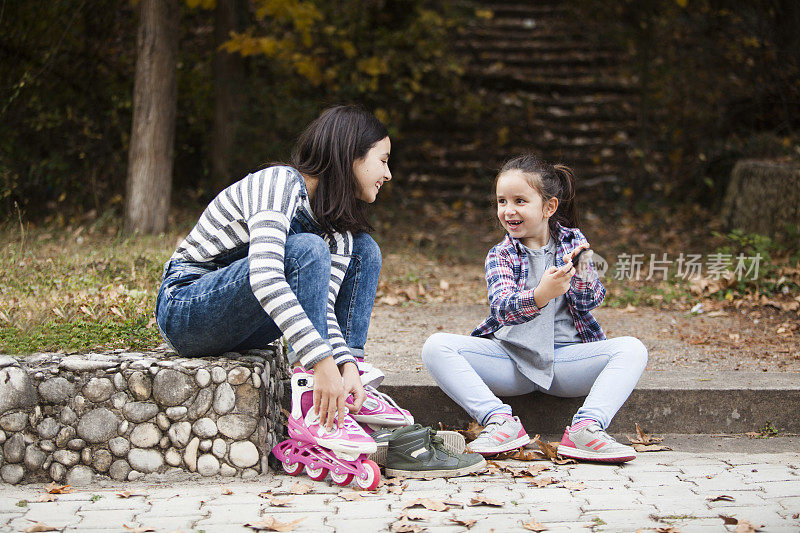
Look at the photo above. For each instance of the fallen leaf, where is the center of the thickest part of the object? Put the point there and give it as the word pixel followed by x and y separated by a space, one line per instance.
pixel 572 485
pixel 138 529
pixel 396 490
pixel 454 503
pixel 39 526
pixel 47 497
pixel 300 488
pixel 543 482
pixel 729 520
pixel 644 438
pixel 226 491
pixel 483 500
pixel 472 431
pixel 269 523
pixel 54 488
pixel 351 496
pixel 394 481
pixel 650 448
pixel 412 514
pixel 462 522
pixel 720 498
pixel 533 525
pixel 404 526
pixel 276 501
pixel 128 494
pixel 427 503
pixel 667 529
pixel 551 453
pixel 745 526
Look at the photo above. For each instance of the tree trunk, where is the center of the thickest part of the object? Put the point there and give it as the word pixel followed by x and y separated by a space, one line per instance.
pixel 152 145
pixel 228 73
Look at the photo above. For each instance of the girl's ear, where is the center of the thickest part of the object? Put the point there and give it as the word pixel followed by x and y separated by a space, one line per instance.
pixel 550 206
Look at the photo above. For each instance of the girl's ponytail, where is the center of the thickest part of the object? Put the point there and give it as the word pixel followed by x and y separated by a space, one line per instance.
pixel 551 181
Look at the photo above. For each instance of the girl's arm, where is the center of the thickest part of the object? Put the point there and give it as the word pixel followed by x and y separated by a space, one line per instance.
pixel 508 304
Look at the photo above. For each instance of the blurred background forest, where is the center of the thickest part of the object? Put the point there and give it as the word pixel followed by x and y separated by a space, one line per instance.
pixel 652 102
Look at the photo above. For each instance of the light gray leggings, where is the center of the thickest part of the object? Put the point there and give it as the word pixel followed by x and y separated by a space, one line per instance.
pixel 473 371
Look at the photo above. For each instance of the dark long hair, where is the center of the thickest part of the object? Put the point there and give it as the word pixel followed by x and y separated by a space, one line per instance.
pixel 326 150
pixel 550 181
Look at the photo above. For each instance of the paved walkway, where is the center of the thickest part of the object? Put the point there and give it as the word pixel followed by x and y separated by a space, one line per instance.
pixel 657 490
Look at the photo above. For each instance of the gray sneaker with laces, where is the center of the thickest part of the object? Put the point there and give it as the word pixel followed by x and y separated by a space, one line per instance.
pixel 501 434
pixel 590 443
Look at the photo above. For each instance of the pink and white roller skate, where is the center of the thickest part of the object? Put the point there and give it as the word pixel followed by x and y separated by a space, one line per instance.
pixel 341 451
pixel 380 411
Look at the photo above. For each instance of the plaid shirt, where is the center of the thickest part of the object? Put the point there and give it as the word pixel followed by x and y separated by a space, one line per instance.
pixel 511 303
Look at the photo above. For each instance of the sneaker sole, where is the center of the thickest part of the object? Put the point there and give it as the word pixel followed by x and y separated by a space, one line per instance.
pixel 464 471
pixel 514 444
pixel 575 453
pixel 453 442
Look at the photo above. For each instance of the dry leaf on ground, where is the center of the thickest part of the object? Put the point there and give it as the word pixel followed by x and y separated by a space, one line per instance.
pixel 226 491
pixel 650 448
pixel 744 526
pixel 351 496
pixel 533 525
pixel 280 501
pixel 543 481
pixel 720 498
pixel 396 490
pixel 667 529
pixel 128 494
pixel 573 485
pixel 269 523
pixel 521 454
pixel 414 514
pixel 54 488
pixel 729 520
pixel 472 431
pixel 138 529
pixel 454 503
pixel 644 438
pixel 39 526
pixel 300 488
pixel 483 500
pixel 427 503
pixel 46 497
pixel 404 526
pixel 468 523
pixel 550 452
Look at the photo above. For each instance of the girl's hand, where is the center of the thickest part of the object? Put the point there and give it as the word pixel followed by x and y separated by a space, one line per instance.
pixel 568 257
pixel 352 385
pixel 329 394
pixel 554 283
pixel 583 262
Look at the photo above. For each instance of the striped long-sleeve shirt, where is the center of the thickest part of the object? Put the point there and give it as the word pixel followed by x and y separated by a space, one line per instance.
pixel 257 212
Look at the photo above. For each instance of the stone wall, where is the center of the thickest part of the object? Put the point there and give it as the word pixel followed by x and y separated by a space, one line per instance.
pixel 124 414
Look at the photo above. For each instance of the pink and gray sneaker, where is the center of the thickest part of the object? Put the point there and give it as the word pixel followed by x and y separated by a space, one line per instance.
pixel 379 411
pixel 587 441
pixel 502 433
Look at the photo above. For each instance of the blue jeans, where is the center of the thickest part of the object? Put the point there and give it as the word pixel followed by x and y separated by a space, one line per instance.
pixel 473 371
pixel 208 308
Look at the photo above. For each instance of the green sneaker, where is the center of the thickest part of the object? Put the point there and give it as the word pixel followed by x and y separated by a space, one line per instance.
pixel 417 451
pixel 453 442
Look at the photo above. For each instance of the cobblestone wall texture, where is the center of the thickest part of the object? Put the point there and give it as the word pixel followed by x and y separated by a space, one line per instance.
pixel 125 414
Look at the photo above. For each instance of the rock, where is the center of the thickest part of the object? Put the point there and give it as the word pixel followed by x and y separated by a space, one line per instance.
pixel 14 421
pixel 162 421
pixel 224 399
pixel 190 455
pixel 177 412
pixel 203 377
pixel 249 473
pixel 57 471
pixel 34 457
pixel 79 363
pixel 201 404
pixel 101 461
pixel 122 429
pixel 14 448
pixel 2 436
pixel 171 387
pixel 204 428
pixel 119 381
pixel 138 412
pixel 256 380
pixel 76 444
pixel 65 435
pixel 207 465
pixel 48 428
pixel 67 457
pixel 140 385
pixel 133 475
pixel 119 446
pixel 47 445
pixel 238 375
pixel 248 399
pixel 164 442
pixel 179 433
pixel 119 399
pixel 80 404
pixel 173 457
pixel 227 470
pixel 244 454
pixel 218 374
pixel 236 426
pixel 68 416
pixel 98 425
pixel 16 390
pixel 145 460
pixel 205 445
pixel 12 474
pixel 219 448
pixel 7 361
pixel 86 456
pixel 98 389
pixel 79 476
pixel 145 436
pixel 119 470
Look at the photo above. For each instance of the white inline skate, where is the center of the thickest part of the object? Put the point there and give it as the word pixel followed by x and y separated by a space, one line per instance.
pixel 342 451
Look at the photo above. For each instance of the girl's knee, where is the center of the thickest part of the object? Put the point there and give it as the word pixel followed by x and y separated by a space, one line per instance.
pixel 365 247
pixel 434 346
pixel 308 246
pixel 636 350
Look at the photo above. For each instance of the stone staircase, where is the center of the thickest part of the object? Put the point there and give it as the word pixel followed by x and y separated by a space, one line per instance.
pixel 545 87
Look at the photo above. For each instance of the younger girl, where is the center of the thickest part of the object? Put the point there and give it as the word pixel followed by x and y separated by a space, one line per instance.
pixel 541 335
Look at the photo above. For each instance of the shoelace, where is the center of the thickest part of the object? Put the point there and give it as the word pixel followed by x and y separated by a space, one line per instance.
pixel 489 431
pixel 388 399
pixel 603 434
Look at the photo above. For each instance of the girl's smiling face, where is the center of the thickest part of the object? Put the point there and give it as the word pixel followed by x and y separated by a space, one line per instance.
pixel 521 210
pixel 372 170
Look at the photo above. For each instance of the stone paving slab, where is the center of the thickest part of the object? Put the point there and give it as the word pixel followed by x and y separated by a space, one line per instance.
pixel 656 490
